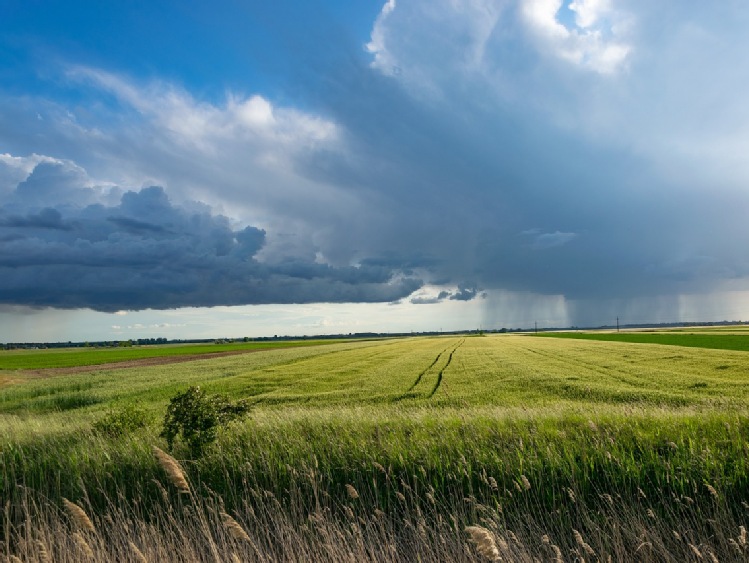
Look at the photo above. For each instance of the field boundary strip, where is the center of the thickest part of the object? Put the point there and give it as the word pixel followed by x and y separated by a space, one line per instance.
pixel 18 360
pixel 735 342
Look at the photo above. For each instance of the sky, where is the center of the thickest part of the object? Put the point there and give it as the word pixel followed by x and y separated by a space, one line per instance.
pixel 241 168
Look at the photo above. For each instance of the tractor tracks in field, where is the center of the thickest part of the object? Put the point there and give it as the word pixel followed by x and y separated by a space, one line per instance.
pixel 442 371
pixel 418 378
pixel 410 393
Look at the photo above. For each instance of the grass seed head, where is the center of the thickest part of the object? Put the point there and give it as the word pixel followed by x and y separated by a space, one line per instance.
pixel 137 553
pixel 82 545
pixel 352 492
pixel 582 543
pixel 234 528
pixel 484 541
pixel 173 470
pixel 42 552
pixel 742 535
pixel 525 482
pixel 711 490
pixel 571 494
pixel 78 516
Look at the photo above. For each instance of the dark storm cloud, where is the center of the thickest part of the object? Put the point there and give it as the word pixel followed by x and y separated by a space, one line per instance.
pixel 47 218
pixel 426 300
pixel 597 156
pixel 464 294
pixel 532 152
pixel 146 252
pixel 135 226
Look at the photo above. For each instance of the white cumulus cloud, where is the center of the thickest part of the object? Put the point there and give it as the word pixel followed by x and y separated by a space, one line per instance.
pixel 596 42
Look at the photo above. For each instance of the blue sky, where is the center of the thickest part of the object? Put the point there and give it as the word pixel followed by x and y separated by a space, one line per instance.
pixel 247 168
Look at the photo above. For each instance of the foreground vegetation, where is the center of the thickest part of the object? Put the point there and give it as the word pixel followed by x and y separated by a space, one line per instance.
pixel 555 449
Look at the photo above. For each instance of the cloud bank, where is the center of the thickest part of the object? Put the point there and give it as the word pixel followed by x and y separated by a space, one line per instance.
pixel 589 151
pixel 63 246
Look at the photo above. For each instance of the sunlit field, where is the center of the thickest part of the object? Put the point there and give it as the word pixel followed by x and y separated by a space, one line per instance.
pixel 70 357
pixel 501 447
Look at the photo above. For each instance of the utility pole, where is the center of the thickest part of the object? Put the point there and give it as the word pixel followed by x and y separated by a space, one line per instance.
pixel 535 325
pixel 617 324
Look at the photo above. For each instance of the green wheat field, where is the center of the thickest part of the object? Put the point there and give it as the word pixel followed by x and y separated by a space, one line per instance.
pixel 579 447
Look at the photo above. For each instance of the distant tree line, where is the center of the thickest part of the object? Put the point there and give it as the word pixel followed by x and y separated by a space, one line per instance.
pixel 86 344
pixel 350 335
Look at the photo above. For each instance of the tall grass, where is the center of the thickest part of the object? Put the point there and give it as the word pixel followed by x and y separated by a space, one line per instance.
pixel 308 521
pixel 354 485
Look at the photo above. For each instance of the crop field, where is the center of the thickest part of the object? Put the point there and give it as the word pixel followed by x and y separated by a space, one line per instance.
pixel 731 339
pixel 72 357
pixel 459 448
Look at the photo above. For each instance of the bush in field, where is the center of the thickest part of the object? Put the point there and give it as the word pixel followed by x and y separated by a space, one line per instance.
pixel 196 417
pixel 122 421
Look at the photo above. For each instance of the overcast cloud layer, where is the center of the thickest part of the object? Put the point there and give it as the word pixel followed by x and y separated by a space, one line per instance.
pixel 592 151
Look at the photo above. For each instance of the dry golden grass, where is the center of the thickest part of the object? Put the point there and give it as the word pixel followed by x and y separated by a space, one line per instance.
pixel 78 516
pixel 485 543
pixel 137 553
pixel 233 527
pixel 173 470
pixel 82 545
pixel 288 528
pixel 352 492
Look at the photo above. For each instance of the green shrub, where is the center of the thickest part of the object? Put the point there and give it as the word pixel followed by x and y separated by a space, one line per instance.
pixel 122 421
pixel 196 417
